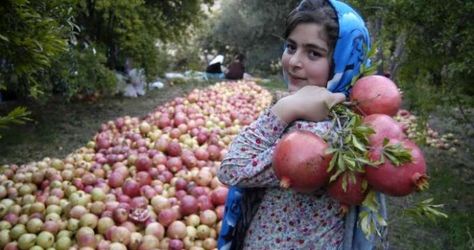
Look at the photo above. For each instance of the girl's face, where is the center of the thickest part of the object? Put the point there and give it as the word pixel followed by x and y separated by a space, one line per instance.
pixel 305 60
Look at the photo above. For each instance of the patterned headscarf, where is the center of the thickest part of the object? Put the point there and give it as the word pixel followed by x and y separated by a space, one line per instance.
pixel 351 47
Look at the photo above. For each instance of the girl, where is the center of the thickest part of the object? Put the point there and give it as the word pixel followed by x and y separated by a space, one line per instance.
pixel 325 45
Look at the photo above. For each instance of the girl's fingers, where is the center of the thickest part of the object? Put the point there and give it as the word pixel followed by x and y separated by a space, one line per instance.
pixel 334 99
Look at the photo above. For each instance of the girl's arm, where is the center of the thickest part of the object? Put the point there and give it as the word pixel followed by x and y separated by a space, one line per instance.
pixel 248 161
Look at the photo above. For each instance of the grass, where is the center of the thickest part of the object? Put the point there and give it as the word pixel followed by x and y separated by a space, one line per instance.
pixel 451 184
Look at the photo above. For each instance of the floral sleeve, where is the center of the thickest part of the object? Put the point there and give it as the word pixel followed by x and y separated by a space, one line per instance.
pixel 248 162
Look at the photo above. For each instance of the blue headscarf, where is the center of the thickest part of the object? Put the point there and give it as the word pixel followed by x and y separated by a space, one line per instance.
pixel 352 44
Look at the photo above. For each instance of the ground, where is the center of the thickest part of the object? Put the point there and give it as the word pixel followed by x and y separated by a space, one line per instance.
pixel 59 129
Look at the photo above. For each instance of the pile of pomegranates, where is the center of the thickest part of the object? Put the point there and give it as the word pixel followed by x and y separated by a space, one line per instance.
pixel 140 183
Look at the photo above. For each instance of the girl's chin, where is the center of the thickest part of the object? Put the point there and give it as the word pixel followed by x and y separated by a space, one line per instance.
pixel 292 89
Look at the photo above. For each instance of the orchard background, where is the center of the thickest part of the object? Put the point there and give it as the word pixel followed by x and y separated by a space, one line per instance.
pixel 58 59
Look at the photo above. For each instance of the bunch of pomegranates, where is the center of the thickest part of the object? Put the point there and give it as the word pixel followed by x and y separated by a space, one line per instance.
pixel 370 151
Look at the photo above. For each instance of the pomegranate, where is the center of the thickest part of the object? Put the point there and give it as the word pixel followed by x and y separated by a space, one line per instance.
pixel 300 161
pixel 139 215
pixel 188 205
pixel 384 127
pixel 219 195
pixel 354 193
pixel 397 180
pixel 143 163
pixel 376 94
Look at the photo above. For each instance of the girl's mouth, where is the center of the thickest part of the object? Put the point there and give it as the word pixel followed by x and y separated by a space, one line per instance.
pixel 296 81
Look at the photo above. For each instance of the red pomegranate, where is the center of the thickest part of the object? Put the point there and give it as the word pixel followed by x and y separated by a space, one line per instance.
pixel 355 192
pixel 376 94
pixel 384 127
pixel 300 161
pixel 398 180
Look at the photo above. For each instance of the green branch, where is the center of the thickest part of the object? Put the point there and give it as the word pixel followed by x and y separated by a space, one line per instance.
pixel 18 116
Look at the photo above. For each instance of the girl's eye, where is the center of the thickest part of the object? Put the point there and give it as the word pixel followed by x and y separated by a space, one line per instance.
pixel 314 55
pixel 290 48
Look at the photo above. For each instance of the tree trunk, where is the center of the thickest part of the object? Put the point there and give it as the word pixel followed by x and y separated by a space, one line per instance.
pixel 397 56
pixel 379 44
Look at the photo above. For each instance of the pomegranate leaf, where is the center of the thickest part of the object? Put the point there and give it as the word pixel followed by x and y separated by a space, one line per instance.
pixel 350 161
pixel 397 154
pixel 365 185
pixel 334 177
pixel 370 201
pixel 357 144
pixel 367 67
pixel 371 218
pixel 331 150
pixel 344 183
pixel 426 209
pixel 333 161
pixel 340 163
pixel 365 161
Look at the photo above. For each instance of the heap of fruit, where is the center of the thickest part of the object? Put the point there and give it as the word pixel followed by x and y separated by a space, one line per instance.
pixel 411 127
pixel 369 152
pixel 140 183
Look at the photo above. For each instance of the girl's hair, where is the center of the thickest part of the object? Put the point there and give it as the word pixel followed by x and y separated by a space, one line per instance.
pixel 315 11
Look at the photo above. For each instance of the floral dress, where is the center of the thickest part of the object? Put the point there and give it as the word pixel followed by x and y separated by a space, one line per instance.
pixel 285 219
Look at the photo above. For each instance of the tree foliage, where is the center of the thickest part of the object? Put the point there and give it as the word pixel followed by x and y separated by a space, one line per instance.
pixel 439 45
pixel 32 34
pixel 254 28
pixel 45 45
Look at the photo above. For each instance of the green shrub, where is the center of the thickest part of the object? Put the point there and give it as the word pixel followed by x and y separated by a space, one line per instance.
pixel 82 72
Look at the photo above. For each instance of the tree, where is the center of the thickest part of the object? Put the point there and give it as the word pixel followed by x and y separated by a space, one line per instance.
pixel 127 28
pixel 32 35
pixel 254 28
pixel 428 41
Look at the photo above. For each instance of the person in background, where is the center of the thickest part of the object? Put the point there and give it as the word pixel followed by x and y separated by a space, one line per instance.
pixel 214 68
pixel 236 69
pixel 326 42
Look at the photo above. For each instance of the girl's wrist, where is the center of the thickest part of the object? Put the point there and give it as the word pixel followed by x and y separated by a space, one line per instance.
pixel 284 110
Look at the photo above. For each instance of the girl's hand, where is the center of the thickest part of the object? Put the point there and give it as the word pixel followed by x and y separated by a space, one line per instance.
pixel 311 103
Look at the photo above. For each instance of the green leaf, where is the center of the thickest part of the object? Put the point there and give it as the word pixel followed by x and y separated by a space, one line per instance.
pixel 333 162
pixel 364 185
pixel 350 161
pixel 4 38
pixel 340 163
pixel 17 116
pixel 366 223
pixel 397 154
pixel 330 150
pixel 426 209
pixel 365 161
pixel 344 183
pixel 335 175
pixel 358 144
pixel 370 201
pixel 381 221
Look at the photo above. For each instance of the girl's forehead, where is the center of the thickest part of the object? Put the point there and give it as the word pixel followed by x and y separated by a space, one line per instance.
pixel 309 33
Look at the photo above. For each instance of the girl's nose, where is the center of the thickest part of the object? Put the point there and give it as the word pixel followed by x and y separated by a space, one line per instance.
pixel 295 60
